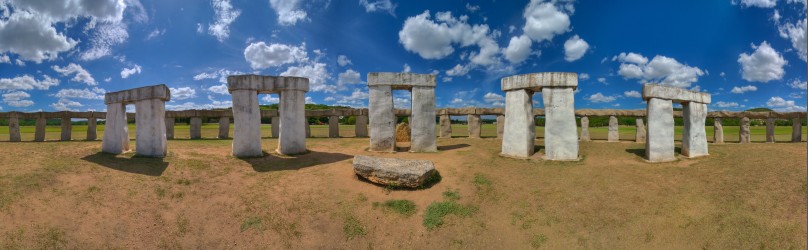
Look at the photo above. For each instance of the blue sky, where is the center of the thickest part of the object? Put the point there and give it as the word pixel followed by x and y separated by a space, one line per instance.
pixel 65 54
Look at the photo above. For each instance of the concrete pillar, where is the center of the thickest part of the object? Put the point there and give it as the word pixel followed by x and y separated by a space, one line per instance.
pixel 474 126
pixel 361 126
pixel 520 129
pixel 659 146
pixel 224 127
pixel 614 129
pixel 67 129
pixel 92 133
pixel 14 128
pixel 560 132
pixel 292 136
pixel 640 137
pixel 382 119
pixel 246 124
pixel 39 134
pixel 770 130
pixel 150 136
pixel 116 131
pixel 422 123
pixel 744 133
pixel 196 128
pixel 445 126
pixel 796 129
pixel 170 128
pixel 276 126
pixel 333 127
pixel 718 131
pixel 585 129
pixel 694 135
pixel 308 129
pixel 500 126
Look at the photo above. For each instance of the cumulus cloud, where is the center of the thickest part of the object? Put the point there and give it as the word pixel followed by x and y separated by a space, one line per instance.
pixel 743 89
pixel 575 48
pixel 91 94
pixel 220 74
pixel 518 49
pixel 600 98
pixel 225 15
pixel 32 37
pixel 795 32
pixel 782 105
pixel 317 74
pixel 66 105
pixel 458 70
pixel 5 59
pixel 544 20
pixel 81 75
pixel 632 93
pixel 343 61
pixel 756 3
pixel 27 82
pixel 126 72
pixel 261 56
pixel 289 12
pixel 380 5
pixel 494 99
pixel 358 98
pixel 436 39
pixel 583 76
pixel 349 77
pixel 17 99
pixel 219 89
pixel 763 65
pixel 182 93
pixel 661 69
pixel 155 33
pixel 407 68
pixel 726 104
pixel 797 84
pixel 472 8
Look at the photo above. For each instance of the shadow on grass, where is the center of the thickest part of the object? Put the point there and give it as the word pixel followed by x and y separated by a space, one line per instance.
pixel 136 165
pixel 277 162
pixel 452 147
pixel 641 151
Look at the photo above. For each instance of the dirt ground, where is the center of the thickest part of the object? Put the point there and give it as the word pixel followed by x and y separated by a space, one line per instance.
pixel 68 195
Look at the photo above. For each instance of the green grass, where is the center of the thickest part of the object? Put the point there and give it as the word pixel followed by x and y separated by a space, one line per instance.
pixel 252 222
pixel 403 207
pixel 353 228
pixel 436 212
pixel 451 195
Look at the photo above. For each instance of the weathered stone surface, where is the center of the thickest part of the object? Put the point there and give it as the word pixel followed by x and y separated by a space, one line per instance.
pixel 14 129
pixel 292 137
pixel 361 126
pixel 796 129
pixel 333 126
pixel 150 136
pixel 585 129
pixel 422 121
pixel 196 128
pixel 694 136
pixel 659 145
pixel 614 130
pixel 674 94
pixel 39 134
pixel 160 92
pixel 394 172
pixel 275 126
pixel 266 84
pixel 474 124
pixel 382 119
pixel 224 127
pixel 246 124
pixel 67 129
pixel 402 132
pixel 640 137
pixel 445 126
pixel 536 81
pixel 718 131
pixel 116 131
pixel 308 129
pixel 744 133
pixel 400 80
pixel 560 132
pixel 500 126
pixel 520 131
pixel 170 128
pixel 770 130
pixel 91 129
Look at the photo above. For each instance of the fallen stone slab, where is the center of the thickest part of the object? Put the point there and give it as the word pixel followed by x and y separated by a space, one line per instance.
pixel 394 172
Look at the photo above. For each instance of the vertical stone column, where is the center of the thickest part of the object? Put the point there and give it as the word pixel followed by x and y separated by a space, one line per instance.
pixel 91 129
pixel 333 127
pixel 744 133
pixel 718 131
pixel 308 129
pixel 474 126
pixel 150 136
pixel 585 129
pixel 276 126
pixel 796 129
pixel 116 131
pixel 659 146
pixel 246 124
pixel 614 129
pixel 560 132
pixel 14 128
pixel 39 134
pixel 224 127
pixel 382 119
pixel 196 128
pixel 292 136
pixel 520 130
pixel 170 128
pixel 770 130
pixel 361 126
pixel 640 137
pixel 500 126
pixel 422 125
pixel 67 129
pixel 445 126
pixel 694 135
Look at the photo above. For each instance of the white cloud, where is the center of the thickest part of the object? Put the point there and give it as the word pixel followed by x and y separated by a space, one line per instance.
pixel 575 48
pixel 782 105
pixel 435 39
pixel 358 98
pixel 199 28
pixel 458 70
pixel 288 11
pixel 17 99
pixel 380 5
pixel 493 98
pixel 66 105
pixel 743 89
pixel 602 80
pixel 219 89
pixel 632 93
pixel 32 37
pixel 726 104
pixel 407 68
pixel 220 74
pixel 27 82
pixel 126 72
pixel 518 49
pixel 271 99
pixel 155 33
pixel 204 106
pixel 182 93
pixel 447 79
pixel 5 59
pixel 317 74
pixel 472 8
pixel 81 75
pixel 763 65
pixel 108 79
pixel 756 3
pixel 583 76
pixel 349 77
pixel 343 61
pixel 225 15
pixel 261 56
pixel 630 57
pixel 797 84
pixel 92 94
pixel 661 69
pixel 796 34
pixel 105 36
pixel 600 98
pixel 545 20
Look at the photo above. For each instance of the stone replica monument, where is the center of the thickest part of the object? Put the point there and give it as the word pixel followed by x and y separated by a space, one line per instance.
pixel 382 116
pixel 150 113
pixel 247 115
pixel 560 134
pixel 659 146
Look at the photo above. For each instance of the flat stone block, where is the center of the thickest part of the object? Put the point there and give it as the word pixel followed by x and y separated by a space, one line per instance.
pixel 694 136
pixel 160 92
pixel 674 94
pixel 520 131
pixel 292 137
pixel 560 132
pixel 659 145
pixel 116 130
pixel 382 119
pixel 536 81
pixel 150 136
pixel 400 80
pixel 266 84
pixel 422 122
pixel 394 172
pixel 246 124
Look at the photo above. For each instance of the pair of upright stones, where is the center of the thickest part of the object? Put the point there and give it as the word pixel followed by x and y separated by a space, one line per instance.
pixel 659 146
pixel 150 113
pixel 382 114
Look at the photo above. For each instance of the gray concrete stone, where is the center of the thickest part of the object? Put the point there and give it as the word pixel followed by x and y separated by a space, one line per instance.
pixel 400 80
pixel 585 129
pixel 674 94
pixel 67 129
pixel 266 84
pixel 560 132
pixel 308 130
pixel 694 136
pixel 333 126
pixel 770 125
pixel 445 126
pixel 536 81
pixel 170 128
pixel 500 126
pixel 14 129
pixel 92 133
pixel 640 137
pixel 150 136
pixel 394 172
pixel 659 145
pixel 39 133
pixel 382 119
pixel 276 126
pixel 796 129
pixel 292 137
pixel 517 140
pixel 361 126
pixel 422 123
pixel 224 127
pixel 116 132
pixel 160 92
pixel 474 124
pixel 744 133
pixel 196 128
pixel 614 130
pixel 718 131
pixel 246 124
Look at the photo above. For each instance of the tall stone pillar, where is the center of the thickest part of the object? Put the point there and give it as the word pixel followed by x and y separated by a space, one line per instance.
pixel 14 128
pixel 67 129
pixel 224 127
pixel 361 126
pixel 744 136
pixel 150 121
pixel 116 131
pixel 500 126
pixel 170 128
pixel 91 129
pixel 718 131
pixel 659 145
pixel 585 129
pixel 474 126
pixel 422 123
pixel 640 137
pixel 39 134
pixel 560 132
pixel 308 129
pixel 445 126
pixel 520 130
pixel 382 119
pixel 694 135
pixel 614 129
pixel 196 128
pixel 333 127
pixel 770 130
pixel 246 124
pixel 292 137
pixel 796 129
pixel 276 126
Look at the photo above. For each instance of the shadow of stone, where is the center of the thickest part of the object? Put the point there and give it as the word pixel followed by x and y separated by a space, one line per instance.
pixel 637 151
pixel 453 147
pixel 276 162
pixel 136 165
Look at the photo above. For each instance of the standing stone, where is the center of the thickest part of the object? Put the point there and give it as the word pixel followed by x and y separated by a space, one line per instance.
pixel 150 136
pixel 224 127
pixel 170 128
pixel 361 126
pixel 474 126
pixel 276 126
pixel 694 135
pixel 585 129
pixel 149 118
pixel 560 132
pixel 445 126
pixel 422 120
pixel 659 145
pixel 116 130
pixel 500 126
pixel 39 134
pixel 292 137
pixel 308 129
pixel 333 126
pixel 614 131
pixel 382 119
pixel 517 141
pixel 640 137
pixel 770 130
pixel 14 128
pixel 744 133
pixel 246 124
pixel 196 128
pixel 91 129
pixel 67 129
pixel 718 131
pixel 382 114
pixel 796 129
